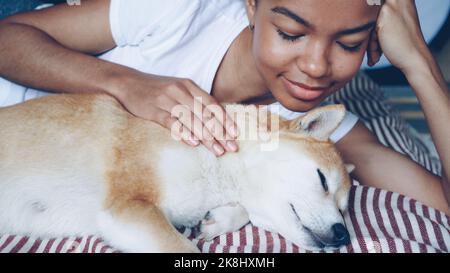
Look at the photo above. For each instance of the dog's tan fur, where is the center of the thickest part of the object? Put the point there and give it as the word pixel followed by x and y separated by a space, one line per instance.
pixel 122 149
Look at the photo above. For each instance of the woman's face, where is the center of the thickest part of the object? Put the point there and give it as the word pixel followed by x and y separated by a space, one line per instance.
pixel 307 49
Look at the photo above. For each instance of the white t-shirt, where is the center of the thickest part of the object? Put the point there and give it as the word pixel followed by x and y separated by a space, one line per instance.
pixel 178 38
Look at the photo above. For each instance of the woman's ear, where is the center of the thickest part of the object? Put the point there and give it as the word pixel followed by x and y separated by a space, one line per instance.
pixel 251 10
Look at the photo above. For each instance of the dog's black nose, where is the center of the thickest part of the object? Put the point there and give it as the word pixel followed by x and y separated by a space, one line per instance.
pixel 341 235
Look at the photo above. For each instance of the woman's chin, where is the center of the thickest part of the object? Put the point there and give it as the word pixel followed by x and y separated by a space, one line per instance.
pixel 297 105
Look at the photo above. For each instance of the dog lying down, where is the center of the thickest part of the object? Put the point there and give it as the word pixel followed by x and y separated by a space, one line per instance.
pixel 82 165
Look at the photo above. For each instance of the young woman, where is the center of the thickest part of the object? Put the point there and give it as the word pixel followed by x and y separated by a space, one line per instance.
pixel 154 55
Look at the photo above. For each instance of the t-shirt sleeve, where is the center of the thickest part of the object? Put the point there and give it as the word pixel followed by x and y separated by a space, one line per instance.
pixel 344 128
pixel 132 20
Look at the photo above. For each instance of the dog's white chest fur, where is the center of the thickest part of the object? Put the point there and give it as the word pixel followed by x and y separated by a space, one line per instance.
pixel 193 182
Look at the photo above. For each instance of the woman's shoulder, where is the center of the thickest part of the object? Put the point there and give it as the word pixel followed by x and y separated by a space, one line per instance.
pixel 150 14
pixel 233 10
pixel 228 8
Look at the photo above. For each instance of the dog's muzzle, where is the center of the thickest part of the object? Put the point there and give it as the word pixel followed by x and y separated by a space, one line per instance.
pixel 338 236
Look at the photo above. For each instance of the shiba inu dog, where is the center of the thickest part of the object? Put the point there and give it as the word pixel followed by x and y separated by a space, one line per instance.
pixel 82 165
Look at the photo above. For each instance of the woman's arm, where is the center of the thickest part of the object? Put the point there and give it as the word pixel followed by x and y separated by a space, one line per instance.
pixel 50 49
pixel 399 36
pixel 401 40
pixel 381 167
pixel 53 50
pixel 433 94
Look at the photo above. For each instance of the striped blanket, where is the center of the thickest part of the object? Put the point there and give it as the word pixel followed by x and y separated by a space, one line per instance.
pixel 378 221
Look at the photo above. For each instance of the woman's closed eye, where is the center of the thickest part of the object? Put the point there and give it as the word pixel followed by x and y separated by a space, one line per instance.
pixel 289 37
pixel 351 48
pixel 292 38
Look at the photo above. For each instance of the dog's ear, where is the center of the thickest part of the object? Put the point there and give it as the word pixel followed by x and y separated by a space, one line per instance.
pixel 350 168
pixel 319 123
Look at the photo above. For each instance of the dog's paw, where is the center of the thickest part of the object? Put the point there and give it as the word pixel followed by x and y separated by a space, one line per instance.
pixel 222 220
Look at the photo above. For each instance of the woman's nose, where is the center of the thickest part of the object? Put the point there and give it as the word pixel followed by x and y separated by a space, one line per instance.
pixel 314 62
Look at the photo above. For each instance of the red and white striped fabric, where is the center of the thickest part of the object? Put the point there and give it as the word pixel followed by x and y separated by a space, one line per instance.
pixel 378 221
pixel 20 244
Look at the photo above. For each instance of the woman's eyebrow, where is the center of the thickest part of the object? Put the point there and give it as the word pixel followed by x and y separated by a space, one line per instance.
pixel 359 29
pixel 286 12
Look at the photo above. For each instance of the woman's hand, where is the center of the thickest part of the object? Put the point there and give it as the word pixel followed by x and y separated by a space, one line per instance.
pixel 398 35
pixel 181 106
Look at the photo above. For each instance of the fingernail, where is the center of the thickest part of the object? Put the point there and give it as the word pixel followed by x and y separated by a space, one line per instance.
pixel 232 146
pixel 234 132
pixel 218 149
pixel 194 142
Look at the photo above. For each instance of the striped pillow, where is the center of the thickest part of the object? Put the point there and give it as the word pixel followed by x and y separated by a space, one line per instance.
pixel 364 98
pixel 378 221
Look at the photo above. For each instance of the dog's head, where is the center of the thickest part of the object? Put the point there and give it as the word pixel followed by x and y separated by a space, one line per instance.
pixel 302 191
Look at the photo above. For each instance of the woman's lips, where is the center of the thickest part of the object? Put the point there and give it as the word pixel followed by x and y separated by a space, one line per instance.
pixel 303 92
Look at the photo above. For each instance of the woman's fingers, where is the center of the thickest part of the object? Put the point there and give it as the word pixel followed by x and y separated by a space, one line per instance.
pixel 181 132
pixel 178 131
pixel 213 117
pixel 190 121
pixel 209 102
pixel 194 114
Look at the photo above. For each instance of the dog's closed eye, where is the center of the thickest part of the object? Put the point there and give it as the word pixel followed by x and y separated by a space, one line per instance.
pixel 323 180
